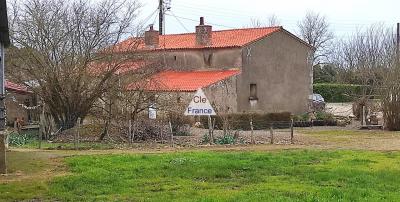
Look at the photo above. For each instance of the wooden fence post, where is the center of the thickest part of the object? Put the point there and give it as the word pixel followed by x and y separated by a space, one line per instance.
pixel 76 136
pixel 172 134
pixel 271 131
pixel 291 132
pixel 40 139
pixel 42 126
pixel 252 131
pixel 134 126
pixel 3 166
pixel 79 128
pixel 363 122
pixel 210 130
pixel 130 131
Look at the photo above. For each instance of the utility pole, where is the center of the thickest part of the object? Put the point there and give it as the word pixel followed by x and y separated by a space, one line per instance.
pixel 4 42
pixel 161 16
pixel 398 42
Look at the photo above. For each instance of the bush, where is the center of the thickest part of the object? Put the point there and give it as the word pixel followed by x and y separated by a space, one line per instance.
pixel 242 120
pixel 324 116
pixel 321 119
pixel 151 130
pixel 302 117
pixel 18 140
pixel 206 138
pixel 226 139
pixel 338 92
pixel 180 124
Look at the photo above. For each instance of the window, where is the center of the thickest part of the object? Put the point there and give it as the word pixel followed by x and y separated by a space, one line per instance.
pixel 175 57
pixel 253 92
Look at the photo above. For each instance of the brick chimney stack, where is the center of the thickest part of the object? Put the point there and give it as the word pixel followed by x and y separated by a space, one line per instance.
pixel 151 38
pixel 203 34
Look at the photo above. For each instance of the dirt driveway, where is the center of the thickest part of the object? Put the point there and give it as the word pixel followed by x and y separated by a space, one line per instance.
pixel 340 109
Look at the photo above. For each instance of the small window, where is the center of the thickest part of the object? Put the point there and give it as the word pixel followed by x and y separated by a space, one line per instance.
pixel 253 91
pixel 209 59
pixel 175 57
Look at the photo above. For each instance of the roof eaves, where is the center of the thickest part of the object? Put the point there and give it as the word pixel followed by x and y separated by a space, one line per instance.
pixel 264 36
pixel 172 90
pixel 191 48
pixel 20 91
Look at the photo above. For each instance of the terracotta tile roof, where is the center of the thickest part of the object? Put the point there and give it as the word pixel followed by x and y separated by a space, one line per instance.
pixel 220 39
pixel 10 86
pixel 123 67
pixel 185 81
pixel 131 66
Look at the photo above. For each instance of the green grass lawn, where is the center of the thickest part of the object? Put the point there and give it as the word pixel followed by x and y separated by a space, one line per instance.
pixel 223 176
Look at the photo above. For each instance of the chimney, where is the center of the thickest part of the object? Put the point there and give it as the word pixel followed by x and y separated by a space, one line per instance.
pixel 151 38
pixel 203 34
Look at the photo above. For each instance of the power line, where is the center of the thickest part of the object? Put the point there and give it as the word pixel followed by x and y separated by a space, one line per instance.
pixel 155 18
pixel 177 19
pixel 234 13
pixel 339 26
pixel 193 20
pixel 149 17
pixel 248 17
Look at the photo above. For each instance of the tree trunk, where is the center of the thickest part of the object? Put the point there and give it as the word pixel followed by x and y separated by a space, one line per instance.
pixel 67 123
pixel 104 133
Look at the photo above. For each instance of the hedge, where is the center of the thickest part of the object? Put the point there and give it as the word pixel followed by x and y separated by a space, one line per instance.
pixel 242 120
pixel 332 92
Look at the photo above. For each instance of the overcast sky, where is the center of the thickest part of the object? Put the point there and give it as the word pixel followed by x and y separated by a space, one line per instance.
pixel 345 16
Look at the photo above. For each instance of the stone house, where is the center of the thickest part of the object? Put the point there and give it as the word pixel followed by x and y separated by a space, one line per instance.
pixel 264 69
pixel 19 104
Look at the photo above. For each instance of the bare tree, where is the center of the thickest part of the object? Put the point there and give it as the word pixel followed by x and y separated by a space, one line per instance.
pixel 58 43
pixel 271 21
pixel 255 22
pixel 314 29
pixel 366 58
pixel 391 97
pixel 366 54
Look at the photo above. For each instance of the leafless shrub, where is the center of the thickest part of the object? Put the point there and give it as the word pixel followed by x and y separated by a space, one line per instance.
pixel 314 29
pixel 57 44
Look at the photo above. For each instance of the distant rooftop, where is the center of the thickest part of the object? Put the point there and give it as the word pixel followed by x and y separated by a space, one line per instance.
pixel 19 88
pixel 220 39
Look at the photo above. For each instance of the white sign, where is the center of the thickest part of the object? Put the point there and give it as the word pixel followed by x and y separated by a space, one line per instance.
pixel 152 112
pixel 199 106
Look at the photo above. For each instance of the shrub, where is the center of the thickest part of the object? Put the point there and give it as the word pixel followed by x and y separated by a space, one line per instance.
pixel 339 92
pixel 180 124
pixel 302 117
pixel 206 139
pixel 151 130
pixel 182 133
pixel 324 116
pixel 226 139
pixel 242 120
pixel 18 140
pixel 321 119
